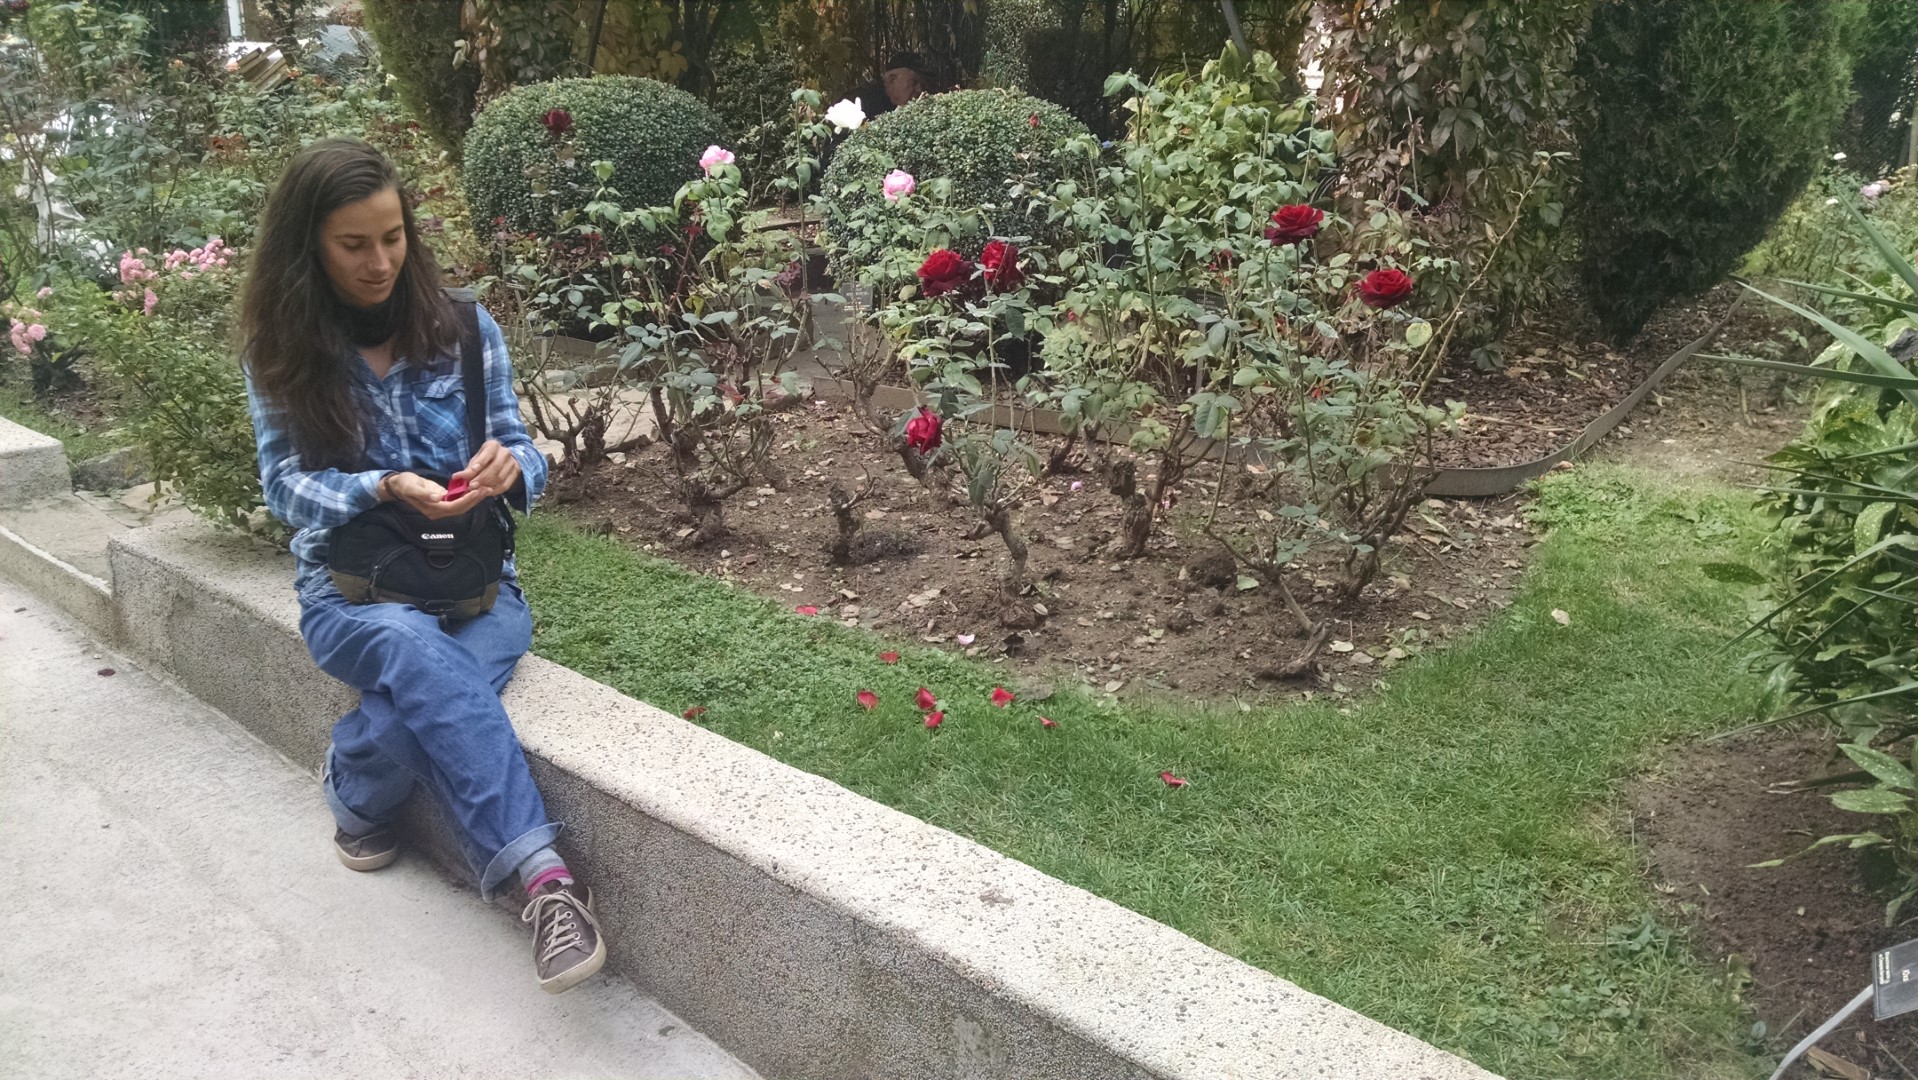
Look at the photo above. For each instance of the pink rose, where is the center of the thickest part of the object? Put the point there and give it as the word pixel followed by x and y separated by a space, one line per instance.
pixel 899 184
pixel 714 157
pixel 45 291
pixel 152 302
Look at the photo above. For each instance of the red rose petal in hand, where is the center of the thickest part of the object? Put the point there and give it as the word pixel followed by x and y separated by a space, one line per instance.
pixel 693 713
pixel 1001 696
pixel 889 658
pixel 925 700
pixel 867 700
pixel 1171 780
pixel 455 488
pixel 934 719
pixel 807 609
pixel 1046 721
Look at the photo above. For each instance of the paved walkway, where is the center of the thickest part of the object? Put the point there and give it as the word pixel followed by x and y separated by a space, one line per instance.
pixel 171 907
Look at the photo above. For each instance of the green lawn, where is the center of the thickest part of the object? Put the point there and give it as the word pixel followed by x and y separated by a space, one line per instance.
pixel 17 404
pixel 1444 855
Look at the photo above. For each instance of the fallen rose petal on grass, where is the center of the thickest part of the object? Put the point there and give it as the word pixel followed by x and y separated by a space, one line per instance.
pixel 889 658
pixel 1171 780
pixel 807 609
pixel 1047 721
pixel 925 700
pixel 934 719
pixel 867 700
pixel 1001 696
pixel 693 713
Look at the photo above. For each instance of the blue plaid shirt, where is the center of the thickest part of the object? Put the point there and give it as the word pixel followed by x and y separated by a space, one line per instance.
pixel 419 425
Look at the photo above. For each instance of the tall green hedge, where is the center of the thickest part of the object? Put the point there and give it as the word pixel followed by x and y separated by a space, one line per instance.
pixel 416 40
pixel 652 133
pixel 1706 118
pixel 1884 77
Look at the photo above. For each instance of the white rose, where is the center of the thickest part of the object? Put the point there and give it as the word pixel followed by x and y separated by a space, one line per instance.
pixel 846 115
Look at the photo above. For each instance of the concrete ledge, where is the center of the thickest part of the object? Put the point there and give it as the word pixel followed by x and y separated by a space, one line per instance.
pixel 32 466
pixel 810 931
pixel 60 583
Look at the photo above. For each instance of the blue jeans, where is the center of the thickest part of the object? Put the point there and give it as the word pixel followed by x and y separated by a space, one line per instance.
pixel 429 712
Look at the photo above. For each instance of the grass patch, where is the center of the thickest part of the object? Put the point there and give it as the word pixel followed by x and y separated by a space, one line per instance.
pixel 18 404
pixel 1433 855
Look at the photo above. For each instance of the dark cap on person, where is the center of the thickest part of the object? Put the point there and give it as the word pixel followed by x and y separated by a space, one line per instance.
pixel 907 60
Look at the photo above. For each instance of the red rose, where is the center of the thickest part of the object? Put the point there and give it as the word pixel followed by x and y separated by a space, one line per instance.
pixel 1291 224
pixel 1033 120
pixel 922 431
pixel 557 121
pixel 943 271
pixel 1385 288
pixel 1001 262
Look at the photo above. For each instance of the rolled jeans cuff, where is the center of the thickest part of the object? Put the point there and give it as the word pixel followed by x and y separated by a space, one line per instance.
pixel 343 815
pixel 514 853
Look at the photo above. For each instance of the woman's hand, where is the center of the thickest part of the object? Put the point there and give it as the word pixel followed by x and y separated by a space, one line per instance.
pixel 428 497
pixel 492 471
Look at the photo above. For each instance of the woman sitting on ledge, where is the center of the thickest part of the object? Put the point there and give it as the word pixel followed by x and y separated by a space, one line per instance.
pixel 357 386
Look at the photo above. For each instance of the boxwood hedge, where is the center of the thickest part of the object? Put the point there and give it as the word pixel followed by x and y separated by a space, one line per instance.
pixel 652 133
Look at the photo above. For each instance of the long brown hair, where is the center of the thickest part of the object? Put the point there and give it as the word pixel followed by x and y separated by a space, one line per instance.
pixel 294 343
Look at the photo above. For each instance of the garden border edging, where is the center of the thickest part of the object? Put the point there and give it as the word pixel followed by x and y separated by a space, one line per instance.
pixel 808 930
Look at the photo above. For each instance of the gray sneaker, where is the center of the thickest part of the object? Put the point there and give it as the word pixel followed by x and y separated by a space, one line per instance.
pixel 567 947
pixel 369 852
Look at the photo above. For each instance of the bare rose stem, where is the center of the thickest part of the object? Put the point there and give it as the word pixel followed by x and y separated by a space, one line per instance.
pixel 1458 306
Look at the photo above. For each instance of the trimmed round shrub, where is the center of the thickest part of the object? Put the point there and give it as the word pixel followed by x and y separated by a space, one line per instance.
pixel 980 140
pixel 652 133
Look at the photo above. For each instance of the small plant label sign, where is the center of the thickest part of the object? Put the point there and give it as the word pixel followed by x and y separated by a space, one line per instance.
pixel 1895 976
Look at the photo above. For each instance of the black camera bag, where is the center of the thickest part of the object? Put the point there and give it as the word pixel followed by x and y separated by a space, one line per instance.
pixel 450 567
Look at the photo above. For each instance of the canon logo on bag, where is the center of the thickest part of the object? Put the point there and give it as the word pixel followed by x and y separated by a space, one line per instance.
pixel 436 536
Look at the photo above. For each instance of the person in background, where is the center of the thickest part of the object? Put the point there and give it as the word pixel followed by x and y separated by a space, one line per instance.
pixel 904 77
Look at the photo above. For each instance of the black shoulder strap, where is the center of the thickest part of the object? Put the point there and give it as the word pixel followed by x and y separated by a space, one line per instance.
pixel 472 367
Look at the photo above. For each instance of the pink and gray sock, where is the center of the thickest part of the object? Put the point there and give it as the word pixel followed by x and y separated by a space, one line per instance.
pixel 541 868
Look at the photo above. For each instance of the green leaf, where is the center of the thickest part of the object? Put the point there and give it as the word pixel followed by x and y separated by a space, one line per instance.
pixel 1733 573
pixel 1247 582
pixel 1867 350
pixel 1902 383
pixel 1886 768
pixel 1894 260
pixel 1871 521
pixel 1885 301
pixel 1871 801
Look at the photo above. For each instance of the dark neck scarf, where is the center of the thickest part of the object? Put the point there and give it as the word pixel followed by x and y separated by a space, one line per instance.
pixel 370 326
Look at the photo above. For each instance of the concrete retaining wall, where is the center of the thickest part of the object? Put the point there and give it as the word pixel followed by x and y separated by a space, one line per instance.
pixel 810 931
pixel 32 466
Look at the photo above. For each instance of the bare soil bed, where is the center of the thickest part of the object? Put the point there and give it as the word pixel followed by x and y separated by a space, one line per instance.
pixel 1174 620
pixel 1558 378
pixel 1802 933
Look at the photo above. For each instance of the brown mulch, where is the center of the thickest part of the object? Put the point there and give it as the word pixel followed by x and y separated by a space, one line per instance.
pixel 1804 933
pixel 1560 377
pixel 1174 620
